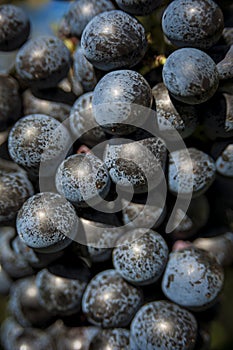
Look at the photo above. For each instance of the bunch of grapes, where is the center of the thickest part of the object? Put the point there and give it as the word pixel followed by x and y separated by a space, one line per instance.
pixel 116 167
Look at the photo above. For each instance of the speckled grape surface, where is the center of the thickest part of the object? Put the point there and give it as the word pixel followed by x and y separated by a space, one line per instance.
pixel 82 121
pixel 10 101
pixel 131 163
pixel 60 295
pixel 139 7
pixel 140 257
pixel 82 178
pixel 190 75
pixel 80 13
pixel 115 98
pixel 43 61
pixel 101 44
pixel 224 163
pixel 193 23
pixel 36 138
pixel 172 115
pixel 192 278
pixel 182 179
pixel 47 220
pixel 136 215
pixel 161 325
pixel 84 72
pixel 111 339
pixel 15 189
pixel 14 27
pixel 109 301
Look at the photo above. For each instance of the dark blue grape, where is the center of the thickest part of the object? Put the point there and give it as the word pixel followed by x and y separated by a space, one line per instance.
pixel 140 257
pixel 190 75
pixel 139 7
pixel 10 101
pixel 80 13
pixel 111 339
pixel 41 105
pixel 36 138
pixel 12 262
pixel 224 163
pixel 109 301
pixel 84 72
pixel 165 326
pixel 16 337
pixel 101 44
pixel 193 174
pixel 225 67
pixel 172 115
pixel 82 121
pixel 129 164
pixel 83 178
pixel 43 62
pixel 14 27
pixel 115 100
pixel 193 23
pixel 61 287
pixel 15 189
pixel 192 279
pixel 24 304
pixel 47 222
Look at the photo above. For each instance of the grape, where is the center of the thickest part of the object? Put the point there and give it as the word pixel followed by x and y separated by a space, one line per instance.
pixel 20 188
pixel 190 75
pixel 82 178
pixel 47 222
pixel 80 14
pixel 10 101
pixel 140 257
pixel 192 279
pixel 38 105
pixel 111 339
pixel 36 138
pixel 163 325
pixel 139 7
pixel 70 337
pixel 193 220
pixel 221 247
pixel 130 163
pixel 172 115
pixel 43 62
pixel 109 301
pixel 84 71
pixel 135 215
pixel 101 44
pixel 183 179
pixel 82 119
pixel 61 286
pixel 100 239
pixel 13 263
pixel 14 27
pixel 217 116
pixel 16 337
pixel 24 304
pixel 224 163
pixel 113 98
pixel 224 67
pixel 193 23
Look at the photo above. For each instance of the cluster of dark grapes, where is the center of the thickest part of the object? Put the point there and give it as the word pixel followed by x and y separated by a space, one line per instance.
pixel 79 278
